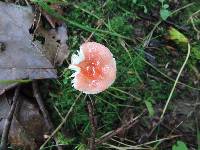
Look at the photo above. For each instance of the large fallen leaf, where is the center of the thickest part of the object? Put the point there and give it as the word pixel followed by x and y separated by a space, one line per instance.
pixel 28 126
pixel 20 58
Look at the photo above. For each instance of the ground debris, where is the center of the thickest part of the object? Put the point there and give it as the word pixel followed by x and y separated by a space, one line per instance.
pixel 53 21
pixel 28 127
pixel 21 58
pixel 54 47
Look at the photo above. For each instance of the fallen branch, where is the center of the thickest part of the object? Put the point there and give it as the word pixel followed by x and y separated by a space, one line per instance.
pixel 62 123
pixel 44 111
pixel 176 81
pixel 8 121
pixel 90 107
pixel 41 105
pixel 113 133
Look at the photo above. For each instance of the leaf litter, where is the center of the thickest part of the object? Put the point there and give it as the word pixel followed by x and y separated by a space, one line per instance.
pixel 27 127
pixel 22 57
pixel 54 46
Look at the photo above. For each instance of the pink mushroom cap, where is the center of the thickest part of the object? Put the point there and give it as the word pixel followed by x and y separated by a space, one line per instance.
pixel 95 68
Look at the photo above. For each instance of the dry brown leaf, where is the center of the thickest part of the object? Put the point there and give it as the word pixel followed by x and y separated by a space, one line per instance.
pixel 54 46
pixel 20 58
pixel 52 20
pixel 28 127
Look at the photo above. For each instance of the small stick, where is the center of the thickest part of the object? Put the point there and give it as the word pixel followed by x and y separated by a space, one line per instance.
pixel 41 105
pixel 62 123
pixel 43 110
pixel 8 120
pixel 90 36
pixel 48 17
pixel 176 81
pixel 126 126
pixel 90 107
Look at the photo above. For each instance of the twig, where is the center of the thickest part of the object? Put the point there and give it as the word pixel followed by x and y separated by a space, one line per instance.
pixel 172 91
pixel 149 36
pixel 181 8
pixel 8 88
pixel 8 120
pixel 165 75
pixel 126 126
pixel 90 36
pixel 141 146
pixel 175 83
pixel 131 95
pixel 43 110
pixel 62 123
pixel 37 22
pixel 60 115
pixel 193 24
pixel 27 3
pixel 48 18
pixel 41 105
pixel 90 107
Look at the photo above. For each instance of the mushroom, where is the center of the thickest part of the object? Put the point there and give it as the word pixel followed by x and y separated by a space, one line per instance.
pixel 95 68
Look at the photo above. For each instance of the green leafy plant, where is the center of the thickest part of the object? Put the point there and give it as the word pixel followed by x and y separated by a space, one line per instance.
pixel 63 140
pixel 81 147
pixel 177 36
pixel 179 146
pixel 150 108
pixel 164 11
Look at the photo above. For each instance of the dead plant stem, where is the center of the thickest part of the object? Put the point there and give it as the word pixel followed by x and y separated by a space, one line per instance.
pixel 8 121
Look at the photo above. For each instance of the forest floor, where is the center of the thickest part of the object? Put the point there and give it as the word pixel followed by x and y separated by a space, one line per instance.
pixel 155 101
